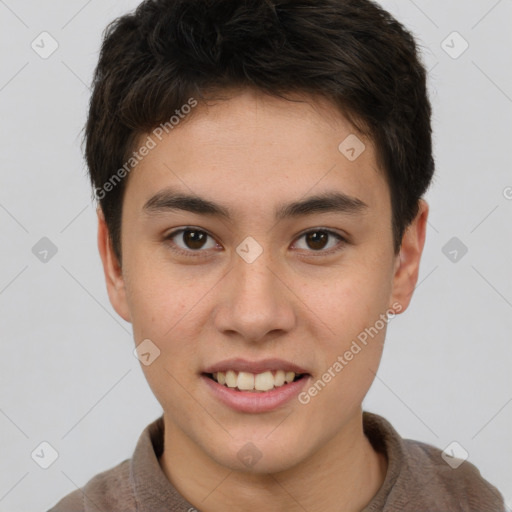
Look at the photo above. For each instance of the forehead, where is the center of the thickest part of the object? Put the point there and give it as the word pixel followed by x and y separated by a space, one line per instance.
pixel 254 149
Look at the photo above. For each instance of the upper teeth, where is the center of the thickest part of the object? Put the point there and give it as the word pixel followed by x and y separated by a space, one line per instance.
pixel 249 381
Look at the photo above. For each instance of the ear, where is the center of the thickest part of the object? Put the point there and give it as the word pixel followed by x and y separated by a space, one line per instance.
pixel 407 263
pixel 112 270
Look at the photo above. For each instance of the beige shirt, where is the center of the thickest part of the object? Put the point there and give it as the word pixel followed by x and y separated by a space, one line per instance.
pixel 417 480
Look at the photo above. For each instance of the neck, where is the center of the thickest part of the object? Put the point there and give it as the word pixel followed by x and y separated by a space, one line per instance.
pixel 344 474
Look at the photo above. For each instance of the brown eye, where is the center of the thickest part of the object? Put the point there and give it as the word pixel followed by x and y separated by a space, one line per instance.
pixel 323 241
pixel 194 239
pixel 317 239
pixel 190 241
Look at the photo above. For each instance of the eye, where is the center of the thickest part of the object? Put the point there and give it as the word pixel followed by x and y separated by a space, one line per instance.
pixel 190 240
pixel 323 241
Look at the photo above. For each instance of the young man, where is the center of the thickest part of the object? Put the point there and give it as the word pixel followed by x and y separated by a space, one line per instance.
pixel 260 168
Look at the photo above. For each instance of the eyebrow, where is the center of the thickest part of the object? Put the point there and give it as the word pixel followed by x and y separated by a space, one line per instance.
pixel 328 202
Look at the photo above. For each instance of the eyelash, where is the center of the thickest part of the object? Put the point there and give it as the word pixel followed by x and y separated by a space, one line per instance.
pixel 199 253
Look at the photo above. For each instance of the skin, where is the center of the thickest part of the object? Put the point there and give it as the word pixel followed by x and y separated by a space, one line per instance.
pixel 252 153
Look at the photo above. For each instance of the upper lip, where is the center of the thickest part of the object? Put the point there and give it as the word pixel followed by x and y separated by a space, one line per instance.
pixel 261 366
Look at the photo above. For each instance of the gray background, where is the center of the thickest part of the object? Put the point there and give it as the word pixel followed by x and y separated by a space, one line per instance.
pixel 68 375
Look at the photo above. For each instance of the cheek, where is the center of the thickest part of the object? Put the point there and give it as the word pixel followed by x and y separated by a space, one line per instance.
pixel 159 295
pixel 163 311
pixel 166 308
pixel 354 308
pixel 350 359
pixel 353 301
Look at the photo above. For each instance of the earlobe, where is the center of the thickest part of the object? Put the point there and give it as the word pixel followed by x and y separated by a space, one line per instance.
pixel 407 262
pixel 112 270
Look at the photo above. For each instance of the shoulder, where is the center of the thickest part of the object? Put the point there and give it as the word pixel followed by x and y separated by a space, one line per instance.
pixel 455 481
pixel 420 477
pixel 109 490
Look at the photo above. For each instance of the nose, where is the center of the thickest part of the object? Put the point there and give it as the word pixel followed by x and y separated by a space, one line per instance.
pixel 255 301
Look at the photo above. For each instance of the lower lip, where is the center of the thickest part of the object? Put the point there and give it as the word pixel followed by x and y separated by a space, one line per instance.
pixel 254 402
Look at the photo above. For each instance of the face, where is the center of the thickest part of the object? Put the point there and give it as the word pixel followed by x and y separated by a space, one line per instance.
pixel 280 264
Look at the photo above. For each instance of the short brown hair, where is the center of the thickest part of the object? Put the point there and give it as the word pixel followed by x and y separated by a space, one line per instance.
pixel 352 52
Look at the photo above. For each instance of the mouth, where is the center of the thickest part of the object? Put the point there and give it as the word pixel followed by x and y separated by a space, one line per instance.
pixel 255 386
pixel 255 382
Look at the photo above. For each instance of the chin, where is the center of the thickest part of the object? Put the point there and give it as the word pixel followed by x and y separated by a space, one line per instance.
pixel 260 456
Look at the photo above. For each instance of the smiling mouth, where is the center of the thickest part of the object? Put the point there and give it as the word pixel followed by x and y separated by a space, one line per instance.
pixel 255 382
